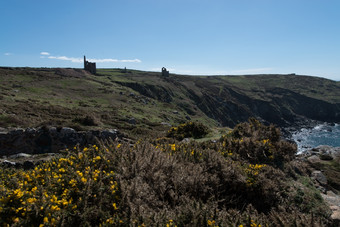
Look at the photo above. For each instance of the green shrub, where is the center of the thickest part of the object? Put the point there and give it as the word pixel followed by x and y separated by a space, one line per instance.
pixel 258 143
pixel 190 129
pixel 86 120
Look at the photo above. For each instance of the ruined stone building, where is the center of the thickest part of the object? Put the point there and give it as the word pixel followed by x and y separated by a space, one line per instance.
pixel 89 66
pixel 165 73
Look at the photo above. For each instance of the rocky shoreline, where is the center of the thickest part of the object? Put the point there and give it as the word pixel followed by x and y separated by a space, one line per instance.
pixel 298 131
pixel 323 163
pixel 289 131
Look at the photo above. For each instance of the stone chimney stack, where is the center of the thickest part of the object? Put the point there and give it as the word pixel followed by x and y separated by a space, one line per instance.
pixel 84 62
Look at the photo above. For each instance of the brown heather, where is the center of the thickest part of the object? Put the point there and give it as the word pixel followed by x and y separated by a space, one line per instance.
pixel 247 178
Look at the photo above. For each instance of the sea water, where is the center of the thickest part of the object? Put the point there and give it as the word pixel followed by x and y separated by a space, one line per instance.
pixel 323 134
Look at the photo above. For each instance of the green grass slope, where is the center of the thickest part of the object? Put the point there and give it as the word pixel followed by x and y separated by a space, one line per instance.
pixel 145 102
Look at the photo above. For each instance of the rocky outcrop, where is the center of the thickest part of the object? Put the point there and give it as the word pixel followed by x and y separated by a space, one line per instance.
pixel 324 162
pixel 49 140
pixel 333 201
pixel 325 152
pixel 25 161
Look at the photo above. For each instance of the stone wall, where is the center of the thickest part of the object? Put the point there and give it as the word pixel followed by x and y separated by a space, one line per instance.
pixel 49 140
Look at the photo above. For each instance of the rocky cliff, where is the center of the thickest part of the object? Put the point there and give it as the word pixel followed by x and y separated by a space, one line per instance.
pixel 253 96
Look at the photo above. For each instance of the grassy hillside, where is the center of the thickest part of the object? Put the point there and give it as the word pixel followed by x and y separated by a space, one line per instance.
pixel 139 102
pixel 34 97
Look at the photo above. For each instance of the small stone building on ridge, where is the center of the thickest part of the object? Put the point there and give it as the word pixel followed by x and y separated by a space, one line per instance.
pixel 89 66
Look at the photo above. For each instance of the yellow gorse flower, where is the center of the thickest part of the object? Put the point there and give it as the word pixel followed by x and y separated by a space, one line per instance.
pixel 31 200
pixel 252 171
pixel 97 158
pixel 56 186
pixel 265 141
pixel 55 208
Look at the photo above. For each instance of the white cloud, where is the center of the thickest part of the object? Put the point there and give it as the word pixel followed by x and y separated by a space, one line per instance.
pixel 64 58
pixel 8 54
pixel 112 60
pixel 44 53
pixel 80 60
pixel 252 71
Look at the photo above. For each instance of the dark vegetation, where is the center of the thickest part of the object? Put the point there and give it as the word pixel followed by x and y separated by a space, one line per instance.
pixel 243 177
pixel 194 130
pixel 165 182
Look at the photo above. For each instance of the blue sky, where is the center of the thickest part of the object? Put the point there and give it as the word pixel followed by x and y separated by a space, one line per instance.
pixel 224 37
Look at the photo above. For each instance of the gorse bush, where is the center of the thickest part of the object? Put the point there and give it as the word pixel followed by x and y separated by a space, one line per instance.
pixel 258 143
pixel 160 183
pixel 190 129
pixel 253 128
pixel 78 189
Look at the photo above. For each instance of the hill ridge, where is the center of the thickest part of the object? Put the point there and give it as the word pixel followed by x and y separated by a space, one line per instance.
pixel 112 97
